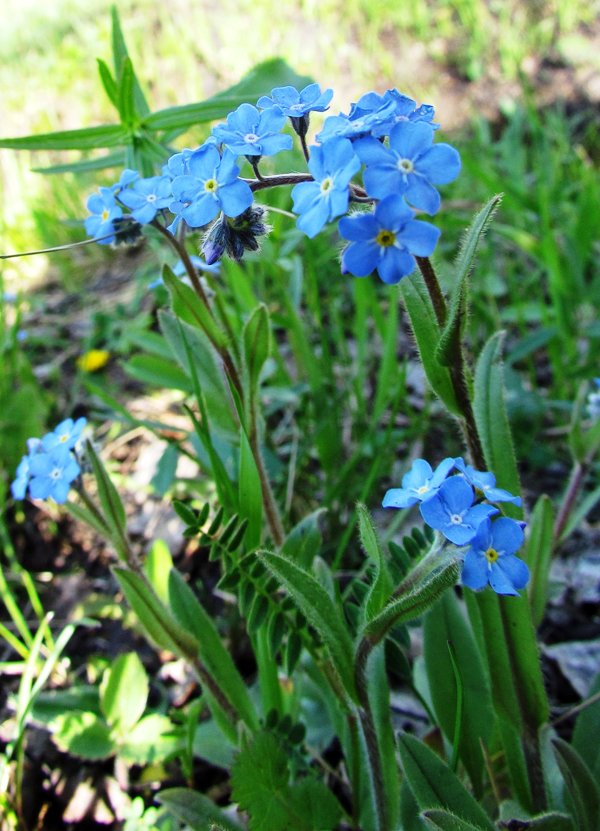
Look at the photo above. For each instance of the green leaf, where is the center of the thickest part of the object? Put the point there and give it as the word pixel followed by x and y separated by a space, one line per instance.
pixel 581 786
pixel 304 541
pixel 160 372
pixel 458 311
pixel 108 82
pixel 125 100
pixel 85 515
pixel 90 138
pixel 492 421
pixel 256 338
pixel 211 744
pixel 381 586
pixel 84 735
pixel 320 611
pixel 260 779
pixel 195 809
pixel 153 739
pixel 124 692
pixel 553 821
pixel 250 492
pixel 191 616
pixel 444 624
pixel 427 333
pixel 190 308
pixel 160 627
pixel 414 603
pixel 157 565
pixel 113 512
pixel 120 55
pixel 259 81
pixel 191 344
pixel 446 821
pixel 539 555
pixel 435 786
pixel 109 160
pixel 586 736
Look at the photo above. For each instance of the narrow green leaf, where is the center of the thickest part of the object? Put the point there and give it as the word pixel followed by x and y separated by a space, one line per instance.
pixel 304 541
pixel 125 100
pixel 445 821
pixel 190 308
pixel 124 692
pixel 381 586
pixel 109 160
pixel 413 604
pixel 85 515
pixel 581 786
pixel 250 492
pixel 444 623
pixel 458 310
pixel 321 612
pixel 586 736
pixel 427 333
pixel 160 372
pixel 539 554
pixel 90 138
pixel 492 420
pixel 108 82
pixel 120 54
pixel 553 821
pixel 190 614
pixel 195 809
pixel 256 338
pixel 155 619
pixel 435 786
pixel 110 501
pixel 157 565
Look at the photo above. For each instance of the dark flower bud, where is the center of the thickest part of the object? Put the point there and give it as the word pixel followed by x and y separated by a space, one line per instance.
pixel 234 235
pixel 127 231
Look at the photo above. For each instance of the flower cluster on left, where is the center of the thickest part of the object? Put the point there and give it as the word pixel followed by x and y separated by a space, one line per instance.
pixel 51 463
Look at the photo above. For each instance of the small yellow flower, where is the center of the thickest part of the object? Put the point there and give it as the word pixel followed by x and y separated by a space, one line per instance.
pixel 93 360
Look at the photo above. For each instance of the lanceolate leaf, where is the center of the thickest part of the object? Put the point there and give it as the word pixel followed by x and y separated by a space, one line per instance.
pixel 90 138
pixel 586 736
pixel 381 586
pixel 435 786
pixel 539 554
pixel 195 810
pixel 445 821
pixel 458 308
pixel 190 614
pixel 581 785
pixel 113 512
pixel 250 492
pixel 427 334
pixel 321 612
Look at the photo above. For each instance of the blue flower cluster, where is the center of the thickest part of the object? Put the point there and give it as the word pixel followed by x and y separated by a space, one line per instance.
pixel 50 465
pixel 388 135
pixel 460 507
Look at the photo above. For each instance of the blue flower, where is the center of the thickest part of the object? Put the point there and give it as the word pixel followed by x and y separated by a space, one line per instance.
pixel 104 210
pixel 491 558
pixel 410 166
pixel 67 434
pixel 212 185
pixel 128 177
pixel 419 484
pixel 593 401
pixel 19 485
pixel 52 474
pixel 251 133
pixel 332 165
pixel 452 512
pixel 486 483
pixel 342 126
pixel 146 197
pixel 295 104
pixel 405 110
pixel 386 240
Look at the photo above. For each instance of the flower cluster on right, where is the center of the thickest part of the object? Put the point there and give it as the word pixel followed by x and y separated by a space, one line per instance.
pixel 387 135
pixel 462 507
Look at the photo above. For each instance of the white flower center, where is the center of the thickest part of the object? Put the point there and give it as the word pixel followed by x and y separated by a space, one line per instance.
pixel 151 197
pixel 297 107
pixel 250 138
pixel 456 519
pixel 405 165
pixel 326 184
pixel 56 474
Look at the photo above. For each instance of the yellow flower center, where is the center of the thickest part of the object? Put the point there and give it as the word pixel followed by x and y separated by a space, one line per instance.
pixel 105 214
pixel 385 238
pixel 211 185
pixel 491 555
pixel 326 184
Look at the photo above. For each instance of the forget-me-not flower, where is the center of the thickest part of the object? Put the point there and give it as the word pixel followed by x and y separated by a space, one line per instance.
pixel 405 110
pixel 212 185
pixel 411 166
pixel 104 210
pixel 419 484
pixel 342 126
pixel 252 133
pixel 295 104
pixel 452 512
pixel 486 483
pixel 67 434
pixel 52 474
pixel 146 197
pixel 491 558
pixel 386 240
pixel 332 165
